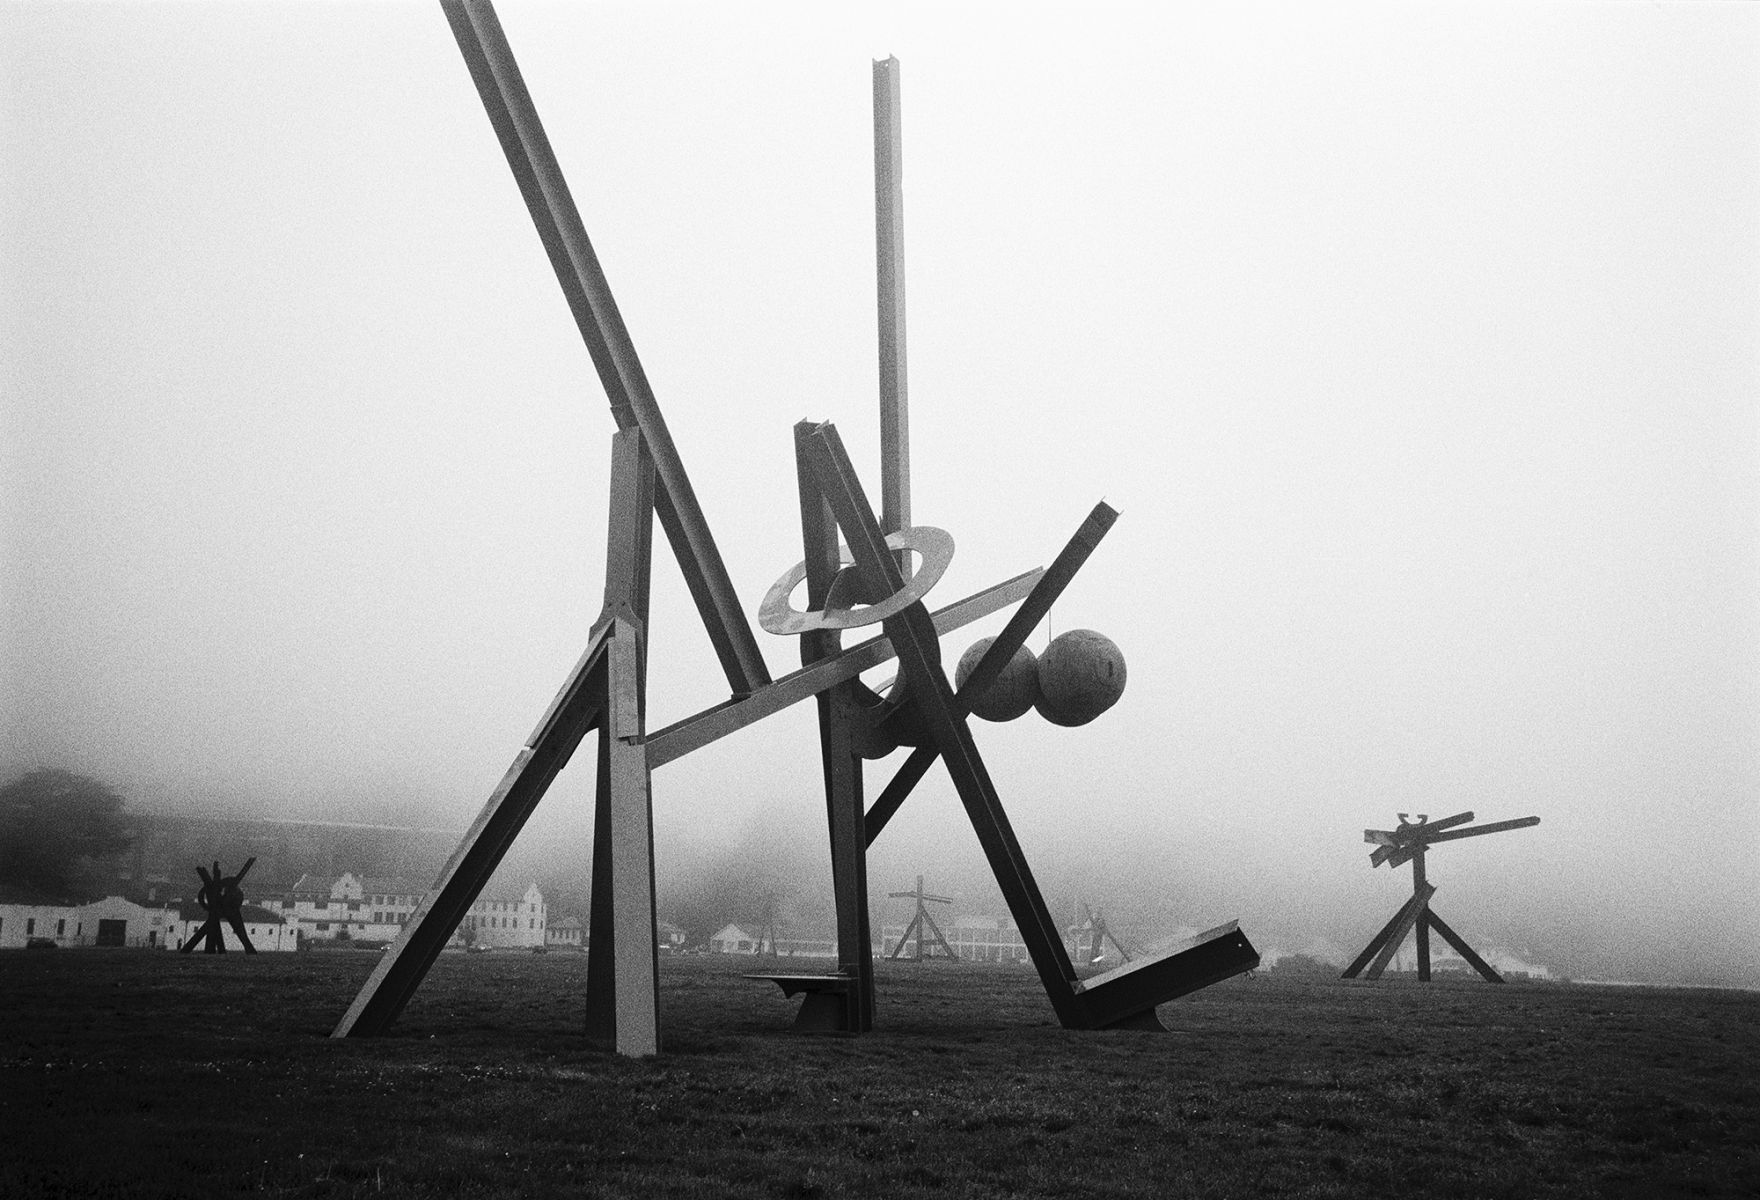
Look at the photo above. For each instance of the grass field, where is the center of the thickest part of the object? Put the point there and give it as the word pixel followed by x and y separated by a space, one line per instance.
pixel 140 1074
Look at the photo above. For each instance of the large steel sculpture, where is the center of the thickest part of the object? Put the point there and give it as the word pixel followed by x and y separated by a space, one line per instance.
pixel 1408 844
pixel 847 587
pixel 222 899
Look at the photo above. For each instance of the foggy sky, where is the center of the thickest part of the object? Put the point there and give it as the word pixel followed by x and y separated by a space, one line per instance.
pixel 1416 345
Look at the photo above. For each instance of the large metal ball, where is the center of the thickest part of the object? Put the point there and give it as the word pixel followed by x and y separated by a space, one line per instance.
pixel 1014 691
pixel 1081 675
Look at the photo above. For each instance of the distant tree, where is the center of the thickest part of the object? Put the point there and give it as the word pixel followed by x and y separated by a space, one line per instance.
pixel 1303 966
pixel 53 824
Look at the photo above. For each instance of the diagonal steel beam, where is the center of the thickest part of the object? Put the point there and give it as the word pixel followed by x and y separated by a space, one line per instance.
pixel 698 730
pixel 1032 610
pixel 505 98
pixel 1476 830
pixel 1460 945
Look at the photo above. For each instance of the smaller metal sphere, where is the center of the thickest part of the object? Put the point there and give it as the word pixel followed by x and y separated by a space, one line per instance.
pixel 1081 675
pixel 1014 691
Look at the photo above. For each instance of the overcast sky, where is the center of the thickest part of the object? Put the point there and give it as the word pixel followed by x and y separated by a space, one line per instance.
pixel 1415 344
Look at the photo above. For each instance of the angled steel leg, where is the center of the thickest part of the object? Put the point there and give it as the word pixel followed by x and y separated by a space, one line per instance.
pixel 604 689
pixel 1461 948
pixel 1375 943
pixel 1392 935
pixel 401 968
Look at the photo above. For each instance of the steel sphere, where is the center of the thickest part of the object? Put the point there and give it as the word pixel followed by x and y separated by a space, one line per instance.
pixel 1015 690
pixel 1081 675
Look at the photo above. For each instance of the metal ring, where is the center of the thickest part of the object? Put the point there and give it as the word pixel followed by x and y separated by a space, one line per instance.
pixel 777 615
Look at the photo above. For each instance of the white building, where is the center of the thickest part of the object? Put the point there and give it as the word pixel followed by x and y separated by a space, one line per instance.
pixel 731 939
pixel 21 921
pixel 505 920
pixel 350 907
pixel 986 939
pixel 114 921
pixel 565 934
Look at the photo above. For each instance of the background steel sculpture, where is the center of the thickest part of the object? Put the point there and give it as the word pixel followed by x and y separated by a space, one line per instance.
pixel 922 926
pixel 223 899
pixel 1091 926
pixel 1405 844
pixel 846 587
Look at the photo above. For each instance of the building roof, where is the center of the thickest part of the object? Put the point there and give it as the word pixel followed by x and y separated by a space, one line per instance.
pixel 320 884
pixel 189 910
pixel 389 885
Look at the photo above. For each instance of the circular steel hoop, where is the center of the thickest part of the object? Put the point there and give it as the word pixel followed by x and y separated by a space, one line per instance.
pixel 777 615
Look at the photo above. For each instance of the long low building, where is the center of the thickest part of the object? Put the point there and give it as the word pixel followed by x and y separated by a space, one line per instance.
pixel 115 921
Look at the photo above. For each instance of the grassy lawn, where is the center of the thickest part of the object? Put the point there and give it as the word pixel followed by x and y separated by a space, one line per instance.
pixel 138 1074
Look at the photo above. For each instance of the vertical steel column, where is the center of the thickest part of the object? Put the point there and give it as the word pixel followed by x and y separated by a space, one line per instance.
pixel 622 964
pixel 842 765
pixel 895 448
pixel 1422 925
pixel 622 1007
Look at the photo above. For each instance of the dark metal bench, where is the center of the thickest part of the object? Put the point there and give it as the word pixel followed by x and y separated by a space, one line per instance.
pixel 826 1007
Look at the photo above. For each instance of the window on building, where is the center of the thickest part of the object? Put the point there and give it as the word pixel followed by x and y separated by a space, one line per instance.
pixel 30 926
pixel 61 927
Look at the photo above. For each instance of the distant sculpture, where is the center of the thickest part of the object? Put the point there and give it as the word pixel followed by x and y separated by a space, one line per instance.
pixel 1407 844
pixel 922 926
pixel 223 900
pixel 1091 926
pixel 847 587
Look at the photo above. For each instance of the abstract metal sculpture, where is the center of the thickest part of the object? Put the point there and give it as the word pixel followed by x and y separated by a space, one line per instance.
pixel 1091 926
pixel 1408 844
pixel 922 925
pixel 223 900
pixel 607 689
